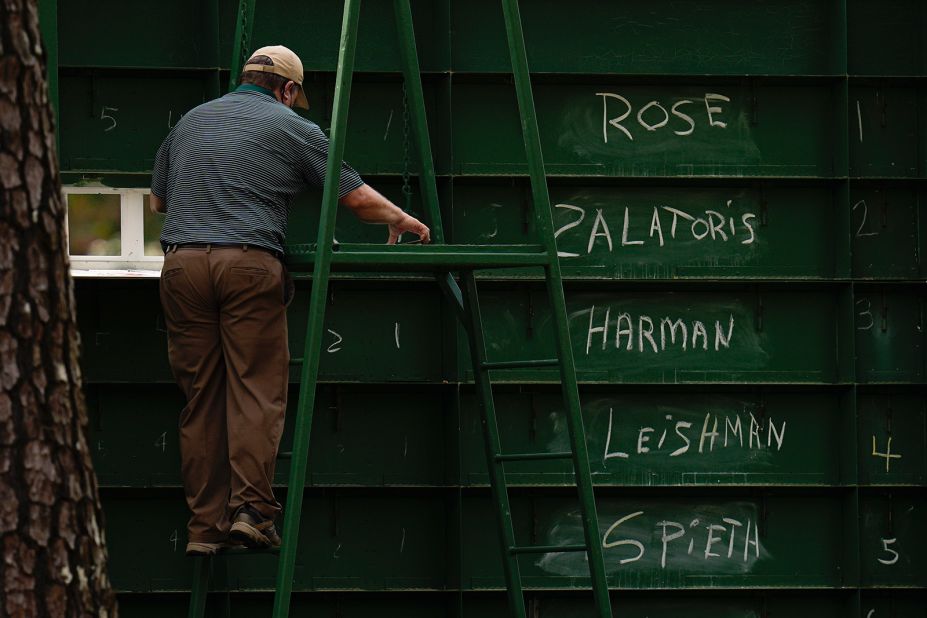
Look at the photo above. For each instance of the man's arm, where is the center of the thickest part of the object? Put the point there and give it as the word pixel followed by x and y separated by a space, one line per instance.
pixel 157 204
pixel 370 206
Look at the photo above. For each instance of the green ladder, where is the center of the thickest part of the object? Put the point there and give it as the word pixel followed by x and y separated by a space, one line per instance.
pixel 442 260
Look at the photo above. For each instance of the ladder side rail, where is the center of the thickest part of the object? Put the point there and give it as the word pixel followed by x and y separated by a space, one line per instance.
pixel 492 447
pixel 244 26
pixel 202 566
pixel 412 76
pixel 428 185
pixel 544 220
pixel 312 350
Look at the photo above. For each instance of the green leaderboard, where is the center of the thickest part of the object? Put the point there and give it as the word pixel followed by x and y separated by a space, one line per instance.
pixel 738 194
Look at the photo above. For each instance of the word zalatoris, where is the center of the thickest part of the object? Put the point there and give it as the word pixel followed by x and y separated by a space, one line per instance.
pixel 666 224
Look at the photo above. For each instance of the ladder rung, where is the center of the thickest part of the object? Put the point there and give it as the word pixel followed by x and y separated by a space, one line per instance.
pixel 298 360
pixel 521 364
pixel 546 549
pixel 534 456
pixel 241 550
pixel 285 455
pixel 355 256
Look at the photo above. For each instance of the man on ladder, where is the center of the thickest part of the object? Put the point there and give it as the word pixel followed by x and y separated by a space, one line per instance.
pixel 225 176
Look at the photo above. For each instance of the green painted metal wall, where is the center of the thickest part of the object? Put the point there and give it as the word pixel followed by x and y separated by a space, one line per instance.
pixel 740 201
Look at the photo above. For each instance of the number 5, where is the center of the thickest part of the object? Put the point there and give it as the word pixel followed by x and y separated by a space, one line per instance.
pixel 885 547
pixel 105 116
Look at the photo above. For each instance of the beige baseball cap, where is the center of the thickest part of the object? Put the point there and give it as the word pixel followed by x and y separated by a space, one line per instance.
pixel 286 64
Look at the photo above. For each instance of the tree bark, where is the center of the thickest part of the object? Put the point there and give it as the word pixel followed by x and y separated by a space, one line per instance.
pixel 51 524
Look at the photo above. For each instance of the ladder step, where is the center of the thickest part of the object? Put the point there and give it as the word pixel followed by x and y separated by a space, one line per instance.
pixel 298 360
pixel 285 455
pixel 521 364
pixel 546 549
pixel 241 550
pixel 370 257
pixel 533 456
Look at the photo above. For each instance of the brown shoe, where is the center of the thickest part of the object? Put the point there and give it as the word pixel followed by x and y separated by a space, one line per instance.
pixel 253 530
pixel 203 549
pixel 196 548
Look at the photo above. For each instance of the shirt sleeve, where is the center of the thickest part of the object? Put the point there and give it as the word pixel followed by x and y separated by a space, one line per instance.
pixel 161 166
pixel 313 151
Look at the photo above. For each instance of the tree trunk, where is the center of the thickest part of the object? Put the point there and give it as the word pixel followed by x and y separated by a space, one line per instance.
pixel 51 523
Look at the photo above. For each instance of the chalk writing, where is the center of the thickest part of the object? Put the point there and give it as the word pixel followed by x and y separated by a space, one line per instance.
pixel 728 539
pixel 865 210
pixel 105 116
pixel 653 115
pixel 859 121
pixel 866 313
pixel 161 442
pixel 889 550
pixel 336 344
pixel 888 455
pixel 653 334
pixel 679 437
pixel 667 224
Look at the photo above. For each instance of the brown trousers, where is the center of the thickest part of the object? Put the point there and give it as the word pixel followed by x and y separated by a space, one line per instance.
pixel 227 343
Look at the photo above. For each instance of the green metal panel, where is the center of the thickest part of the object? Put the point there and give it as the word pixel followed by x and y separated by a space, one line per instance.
pixel 362 435
pixel 401 341
pixel 117 123
pixel 892 538
pixel 721 335
pixel 886 137
pixel 887 228
pixel 165 34
pixel 399 538
pixel 795 540
pixel 890 342
pixel 656 604
pixel 621 128
pixel 887 37
pixel 660 232
pixel 774 37
pixel 828 303
pixel 650 437
pixel 892 426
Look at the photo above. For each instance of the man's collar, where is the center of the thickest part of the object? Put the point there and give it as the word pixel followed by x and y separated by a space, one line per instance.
pixel 254 88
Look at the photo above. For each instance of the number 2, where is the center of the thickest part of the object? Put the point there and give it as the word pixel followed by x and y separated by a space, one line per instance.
pixel 859 230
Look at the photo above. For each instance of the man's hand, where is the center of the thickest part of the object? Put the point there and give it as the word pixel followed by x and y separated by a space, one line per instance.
pixel 371 207
pixel 408 224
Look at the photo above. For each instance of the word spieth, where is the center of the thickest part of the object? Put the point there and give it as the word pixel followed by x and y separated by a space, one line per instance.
pixel 729 539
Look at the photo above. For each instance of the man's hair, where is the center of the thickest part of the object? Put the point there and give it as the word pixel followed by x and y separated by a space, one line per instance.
pixel 271 81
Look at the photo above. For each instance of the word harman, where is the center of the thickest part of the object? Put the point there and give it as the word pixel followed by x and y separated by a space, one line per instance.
pixel 647 330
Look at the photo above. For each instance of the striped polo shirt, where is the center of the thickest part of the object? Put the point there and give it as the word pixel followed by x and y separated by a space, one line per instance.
pixel 230 168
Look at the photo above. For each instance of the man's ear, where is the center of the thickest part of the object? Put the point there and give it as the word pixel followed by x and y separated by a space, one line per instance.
pixel 289 89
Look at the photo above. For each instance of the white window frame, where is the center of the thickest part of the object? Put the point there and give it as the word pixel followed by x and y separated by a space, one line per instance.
pixel 132 261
